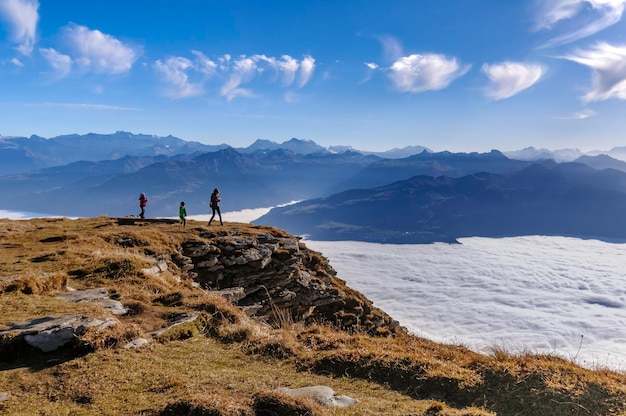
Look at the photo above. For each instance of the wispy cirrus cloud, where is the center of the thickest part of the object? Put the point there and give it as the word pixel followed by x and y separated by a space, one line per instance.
pixel 232 74
pixel 307 67
pixel 372 67
pixel 392 48
pixel 587 17
pixel 61 64
pixel 608 64
pixel 204 65
pixel 581 115
pixel 22 17
pixel 510 78
pixel 551 12
pixel 241 71
pixel 418 73
pixel 174 72
pixel 83 106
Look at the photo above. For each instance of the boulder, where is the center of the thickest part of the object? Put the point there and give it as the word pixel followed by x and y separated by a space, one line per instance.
pixel 136 343
pixel 324 395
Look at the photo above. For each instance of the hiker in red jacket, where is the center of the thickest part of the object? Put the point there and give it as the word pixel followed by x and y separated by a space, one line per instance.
pixel 143 201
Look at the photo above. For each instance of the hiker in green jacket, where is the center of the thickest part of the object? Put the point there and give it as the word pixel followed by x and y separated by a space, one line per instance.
pixel 182 213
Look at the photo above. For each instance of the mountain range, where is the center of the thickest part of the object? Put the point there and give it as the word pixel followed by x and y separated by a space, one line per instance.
pixel 543 198
pixel 423 197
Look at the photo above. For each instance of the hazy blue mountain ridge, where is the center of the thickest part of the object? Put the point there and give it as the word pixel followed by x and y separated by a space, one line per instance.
pixel 258 179
pixel 395 153
pixel 563 155
pixel 294 145
pixel 247 181
pixel 21 154
pixel 546 199
pixel 602 161
pixel 425 197
pixel 384 171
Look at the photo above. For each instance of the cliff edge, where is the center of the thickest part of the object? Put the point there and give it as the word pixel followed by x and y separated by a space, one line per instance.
pixel 104 316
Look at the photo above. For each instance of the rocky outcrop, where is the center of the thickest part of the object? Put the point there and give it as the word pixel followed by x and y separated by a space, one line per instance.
pixel 279 279
pixel 50 333
pixel 267 273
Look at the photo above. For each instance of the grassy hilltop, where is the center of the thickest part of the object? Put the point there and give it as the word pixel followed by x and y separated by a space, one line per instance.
pixel 228 360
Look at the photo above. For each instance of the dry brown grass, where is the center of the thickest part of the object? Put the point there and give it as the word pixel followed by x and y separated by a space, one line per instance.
pixel 226 363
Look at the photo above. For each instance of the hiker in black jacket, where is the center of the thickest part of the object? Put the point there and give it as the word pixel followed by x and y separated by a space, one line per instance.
pixel 215 200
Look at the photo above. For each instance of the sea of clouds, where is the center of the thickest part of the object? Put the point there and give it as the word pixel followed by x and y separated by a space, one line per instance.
pixel 557 295
pixel 537 294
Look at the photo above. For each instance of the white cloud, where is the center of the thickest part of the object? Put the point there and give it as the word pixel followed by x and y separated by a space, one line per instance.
pixel 291 97
pixel 556 11
pixel 233 73
pixel 62 64
pixel 243 70
pixel 174 73
pixel 205 65
pixel 392 48
pixel 510 78
pixel 288 67
pixel 22 17
pixel 372 67
pixel 418 73
pixel 17 62
pixel 94 51
pixel 608 64
pixel 597 15
pixel 307 67
pixel 581 115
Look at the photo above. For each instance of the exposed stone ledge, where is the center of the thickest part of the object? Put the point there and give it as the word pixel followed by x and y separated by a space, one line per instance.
pixel 98 296
pixel 268 275
pixel 50 333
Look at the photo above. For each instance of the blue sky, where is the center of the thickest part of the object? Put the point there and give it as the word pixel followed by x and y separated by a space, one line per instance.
pixel 459 75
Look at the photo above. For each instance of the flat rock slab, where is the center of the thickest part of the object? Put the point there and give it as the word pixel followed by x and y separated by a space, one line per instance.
pixel 86 295
pixel 50 333
pixel 138 220
pixel 99 296
pixel 136 343
pixel 324 395
pixel 233 294
pixel 181 319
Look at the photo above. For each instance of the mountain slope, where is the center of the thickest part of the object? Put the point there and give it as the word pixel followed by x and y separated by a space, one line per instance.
pixel 227 316
pixel 564 199
pixel 385 171
pixel 247 181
